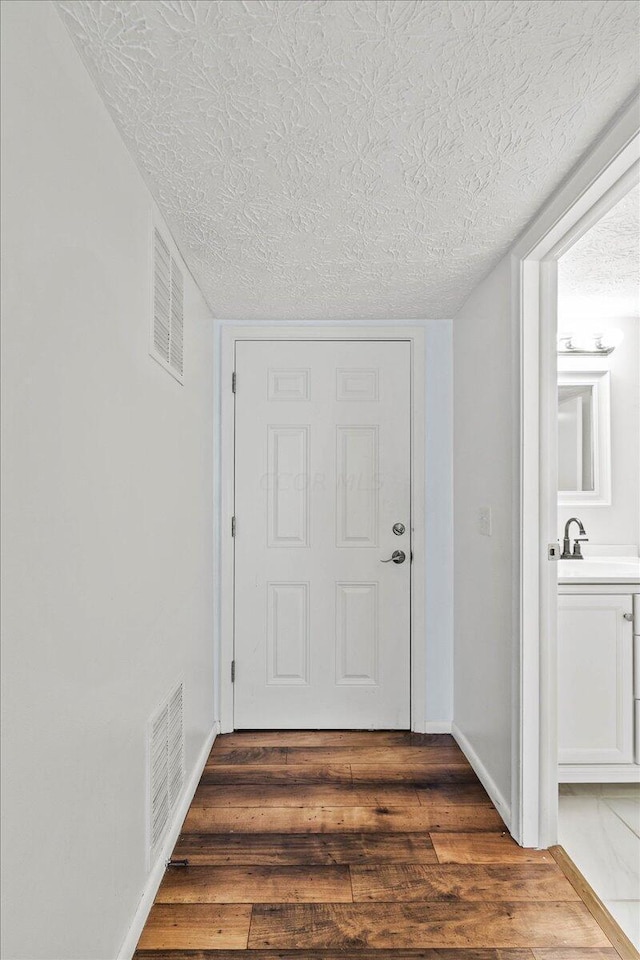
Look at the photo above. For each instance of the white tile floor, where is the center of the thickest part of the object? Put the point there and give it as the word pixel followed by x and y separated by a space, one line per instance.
pixel 599 827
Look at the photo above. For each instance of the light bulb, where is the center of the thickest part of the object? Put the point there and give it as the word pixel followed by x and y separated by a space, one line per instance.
pixel 609 340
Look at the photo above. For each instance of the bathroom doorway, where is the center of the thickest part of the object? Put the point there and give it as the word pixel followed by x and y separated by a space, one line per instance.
pixel 594 188
pixel 598 468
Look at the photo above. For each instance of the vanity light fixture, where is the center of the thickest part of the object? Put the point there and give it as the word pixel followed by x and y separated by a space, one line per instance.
pixel 589 344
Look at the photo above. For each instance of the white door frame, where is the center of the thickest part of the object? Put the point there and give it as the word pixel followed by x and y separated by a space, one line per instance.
pixel 231 333
pixel 599 181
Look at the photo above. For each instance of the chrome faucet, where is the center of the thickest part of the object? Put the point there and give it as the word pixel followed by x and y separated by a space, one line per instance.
pixel 566 542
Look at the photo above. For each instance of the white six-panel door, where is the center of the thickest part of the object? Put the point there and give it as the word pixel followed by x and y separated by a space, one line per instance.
pixel 322 474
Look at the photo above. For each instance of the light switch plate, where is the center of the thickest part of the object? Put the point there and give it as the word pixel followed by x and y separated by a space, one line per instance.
pixel 485 521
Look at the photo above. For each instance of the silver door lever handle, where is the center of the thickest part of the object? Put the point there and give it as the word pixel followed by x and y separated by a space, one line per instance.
pixel 398 556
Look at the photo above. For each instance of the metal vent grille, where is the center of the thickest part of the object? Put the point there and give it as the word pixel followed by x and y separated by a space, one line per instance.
pixel 167 345
pixel 176 349
pixel 159 792
pixel 166 766
pixel 175 746
pixel 161 297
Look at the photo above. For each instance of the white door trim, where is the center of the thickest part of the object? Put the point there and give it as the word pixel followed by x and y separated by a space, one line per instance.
pixel 232 332
pixel 594 187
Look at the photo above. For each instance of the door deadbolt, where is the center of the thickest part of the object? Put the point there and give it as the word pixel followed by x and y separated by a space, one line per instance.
pixel 398 556
pixel 398 529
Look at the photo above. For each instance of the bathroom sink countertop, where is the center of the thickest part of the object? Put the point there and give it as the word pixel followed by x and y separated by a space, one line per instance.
pixel 600 570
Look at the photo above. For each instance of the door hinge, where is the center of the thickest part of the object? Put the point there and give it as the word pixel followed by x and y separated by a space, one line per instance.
pixel 233 526
pixel 233 671
pixel 233 382
pixel 553 551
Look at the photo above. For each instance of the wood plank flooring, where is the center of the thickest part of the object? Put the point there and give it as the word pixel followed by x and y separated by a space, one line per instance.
pixel 357 846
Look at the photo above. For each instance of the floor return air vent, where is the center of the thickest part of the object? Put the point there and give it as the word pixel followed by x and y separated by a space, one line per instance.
pixel 165 776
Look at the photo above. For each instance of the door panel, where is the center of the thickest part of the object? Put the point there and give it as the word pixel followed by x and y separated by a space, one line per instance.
pixel 357 633
pixel 322 627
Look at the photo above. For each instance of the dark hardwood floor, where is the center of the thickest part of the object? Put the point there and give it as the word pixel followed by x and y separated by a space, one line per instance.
pixel 358 846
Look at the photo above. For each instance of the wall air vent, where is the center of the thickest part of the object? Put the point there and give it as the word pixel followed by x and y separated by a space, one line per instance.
pixel 168 309
pixel 165 752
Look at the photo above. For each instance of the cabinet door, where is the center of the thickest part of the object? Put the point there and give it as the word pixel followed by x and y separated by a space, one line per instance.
pixel 595 679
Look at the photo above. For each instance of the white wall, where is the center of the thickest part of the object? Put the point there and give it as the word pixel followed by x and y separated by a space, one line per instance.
pixel 483 477
pixel 618 523
pixel 107 527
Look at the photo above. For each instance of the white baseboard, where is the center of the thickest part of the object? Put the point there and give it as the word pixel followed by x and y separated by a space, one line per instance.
pixel 487 781
pixel 156 874
pixel 433 726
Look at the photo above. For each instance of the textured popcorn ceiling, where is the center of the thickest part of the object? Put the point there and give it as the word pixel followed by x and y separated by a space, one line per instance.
pixel 600 275
pixel 353 158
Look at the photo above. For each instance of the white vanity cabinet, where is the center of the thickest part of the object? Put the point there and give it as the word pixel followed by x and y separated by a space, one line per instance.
pixel 595 687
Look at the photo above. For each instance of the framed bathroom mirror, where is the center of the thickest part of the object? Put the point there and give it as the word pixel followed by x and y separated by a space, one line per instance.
pixel 584 446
